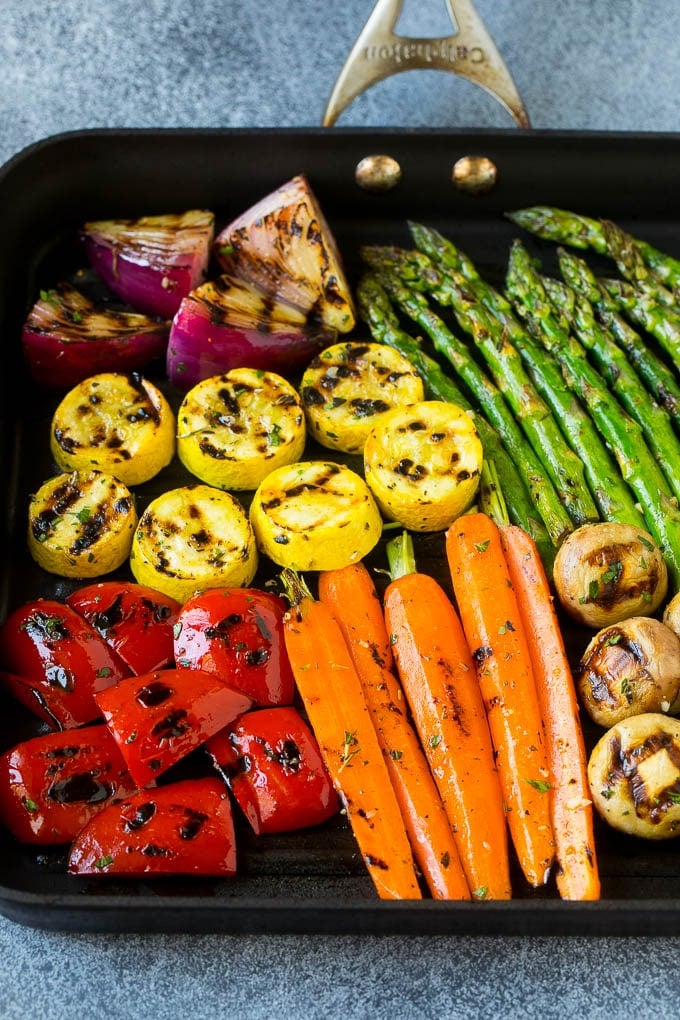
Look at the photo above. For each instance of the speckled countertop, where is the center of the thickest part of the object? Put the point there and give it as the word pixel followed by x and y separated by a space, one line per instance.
pixel 579 64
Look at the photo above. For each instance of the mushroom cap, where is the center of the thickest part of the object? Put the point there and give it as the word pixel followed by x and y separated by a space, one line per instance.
pixel 607 572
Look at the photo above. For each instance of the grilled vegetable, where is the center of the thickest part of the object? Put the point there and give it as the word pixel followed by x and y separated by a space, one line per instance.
pixel 67 338
pixel 657 376
pixel 423 464
pixel 634 776
pixel 233 429
pixel 653 419
pixel 621 433
pixel 230 323
pixel 498 643
pixel 347 389
pixel 606 572
pixel 351 594
pixel 284 246
pixel 182 828
pixel 160 717
pixel 334 700
pixel 611 494
pixel 671 614
pixel 570 805
pixel 315 515
pixel 81 523
pixel 275 770
pixel 136 621
pixel 118 423
pixel 51 785
pixel 237 633
pixel 192 538
pixel 642 306
pixel 630 667
pixel 578 231
pixel 56 662
pixel 437 673
pixel 154 261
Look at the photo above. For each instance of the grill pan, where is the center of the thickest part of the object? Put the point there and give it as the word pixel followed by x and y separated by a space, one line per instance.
pixel 314 881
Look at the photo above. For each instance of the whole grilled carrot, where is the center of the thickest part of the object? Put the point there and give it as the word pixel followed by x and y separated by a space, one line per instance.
pixel 331 691
pixel 572 812
pixel 498 643
pixel 350 593
pixel 438 678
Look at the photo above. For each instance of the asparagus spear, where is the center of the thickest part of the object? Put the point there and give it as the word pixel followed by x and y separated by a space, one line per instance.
pixel 632 266
pixel 615 368
pixel 489 397
pixel 623 435
pixel 552 224
pixel 564 467
pixel 642 307
pixel 612 495
pixel 377 312
pixel 656 375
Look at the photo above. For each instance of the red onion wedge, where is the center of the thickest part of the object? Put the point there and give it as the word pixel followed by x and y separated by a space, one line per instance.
pixel 152 262
pixel 284 246
pixel 228 323
pixel 66 338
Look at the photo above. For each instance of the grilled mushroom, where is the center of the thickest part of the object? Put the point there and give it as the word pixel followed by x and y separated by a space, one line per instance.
pixel 608 572
pixel 629 668
pixel 671 614
pixel 634 776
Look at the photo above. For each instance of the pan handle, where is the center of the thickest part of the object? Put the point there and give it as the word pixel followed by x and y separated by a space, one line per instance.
pixel 380 52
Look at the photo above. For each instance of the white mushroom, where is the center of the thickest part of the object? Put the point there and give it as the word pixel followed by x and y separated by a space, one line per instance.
pixel 671 614
pixel 608 572
pixel 634 776
pixel 629 668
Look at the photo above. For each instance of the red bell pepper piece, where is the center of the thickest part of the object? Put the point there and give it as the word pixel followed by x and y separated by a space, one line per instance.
pixel 135 620
pixel 183 828
pixel 273 764
pixel 237 634
pixel 51 785
pixel 159 718
pixel 47 647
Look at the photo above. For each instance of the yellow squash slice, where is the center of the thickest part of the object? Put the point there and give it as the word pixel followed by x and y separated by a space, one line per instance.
pixel 81 523
pixel 193 538
pixel 233 429
pixel 315 515
pixel 349 387
pixel 423 464
pixel 115 422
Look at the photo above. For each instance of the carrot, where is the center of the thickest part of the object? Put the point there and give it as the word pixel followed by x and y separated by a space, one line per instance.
pixel 572 812
pixel 334 700
pixel 496 637
pixel 351 595
pixel 438 677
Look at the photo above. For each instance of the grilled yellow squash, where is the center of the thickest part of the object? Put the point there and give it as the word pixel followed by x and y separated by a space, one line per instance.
pixel 350 386
pixel 115 422
pixel 315 515
pixel 193 538
pixel 423 464
pixel 233 429
pixel 81 523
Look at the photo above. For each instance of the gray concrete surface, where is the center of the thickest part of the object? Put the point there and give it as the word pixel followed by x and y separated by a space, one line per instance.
pixel 579 64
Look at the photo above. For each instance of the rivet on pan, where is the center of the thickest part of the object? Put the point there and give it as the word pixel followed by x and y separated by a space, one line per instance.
pixel 377 173
pixel 474 174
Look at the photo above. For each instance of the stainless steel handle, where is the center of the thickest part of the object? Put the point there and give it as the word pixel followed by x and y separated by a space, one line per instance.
pixel 380 52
